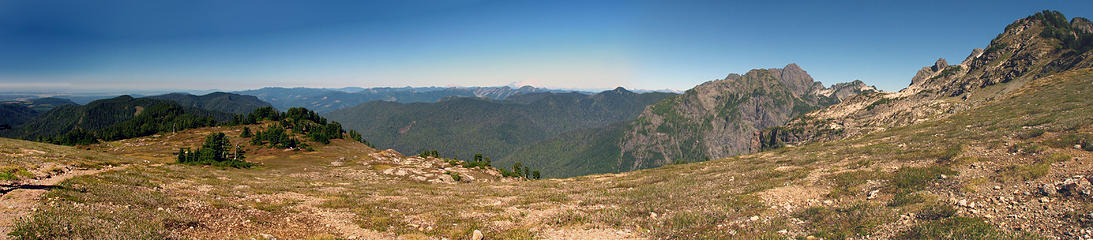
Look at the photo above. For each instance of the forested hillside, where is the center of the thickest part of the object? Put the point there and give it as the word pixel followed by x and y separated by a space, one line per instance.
pixel 217 101
pixel 114 118
pixel 466 126
pixel 14 114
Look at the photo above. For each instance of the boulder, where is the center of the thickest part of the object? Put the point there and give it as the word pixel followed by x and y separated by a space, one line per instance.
pixel 1076 186
pixel 477 235
pixel 1048 189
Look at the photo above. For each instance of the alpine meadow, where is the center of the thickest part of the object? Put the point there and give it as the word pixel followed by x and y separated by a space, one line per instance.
pixel 546 120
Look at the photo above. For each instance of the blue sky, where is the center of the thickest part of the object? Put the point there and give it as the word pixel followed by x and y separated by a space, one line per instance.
pixel 241 44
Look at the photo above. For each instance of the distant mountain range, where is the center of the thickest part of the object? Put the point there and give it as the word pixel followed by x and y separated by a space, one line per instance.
pixel 463 126
pixel 324 100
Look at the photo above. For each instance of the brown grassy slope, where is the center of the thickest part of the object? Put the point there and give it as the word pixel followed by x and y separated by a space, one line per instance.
pixel 934 179
pixel 23 160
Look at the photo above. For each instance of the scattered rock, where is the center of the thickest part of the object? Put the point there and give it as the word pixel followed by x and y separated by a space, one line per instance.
pixel 1048 189
pixel 1076 186
pixel 267 236
pixel 477 235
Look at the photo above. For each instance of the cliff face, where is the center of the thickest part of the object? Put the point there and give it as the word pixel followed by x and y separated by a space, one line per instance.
pixel 720 118
pixel 1030 48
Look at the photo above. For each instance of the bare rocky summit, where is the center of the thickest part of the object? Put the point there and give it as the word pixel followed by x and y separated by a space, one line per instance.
pixel 1030 48
pixel 719 118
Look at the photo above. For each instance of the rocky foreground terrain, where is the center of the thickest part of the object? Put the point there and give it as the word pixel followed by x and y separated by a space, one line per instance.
pixel 999 170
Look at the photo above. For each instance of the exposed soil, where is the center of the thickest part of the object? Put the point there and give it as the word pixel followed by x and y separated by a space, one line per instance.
pixel 22 198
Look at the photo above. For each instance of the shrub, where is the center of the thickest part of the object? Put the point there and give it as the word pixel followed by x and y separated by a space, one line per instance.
pixel 877 103
pixel 246 133
pixel 455 176
pixel 904 199
pixel 1029 133
pixel 936 211
pixel 846 183
pixel 910 179
pixel 1024 172
pixel 1053 158
pixel 842 223
pixel 1070 140
pixel 1026 148
pixel 427 153
pixel 950 153
pixel 15 174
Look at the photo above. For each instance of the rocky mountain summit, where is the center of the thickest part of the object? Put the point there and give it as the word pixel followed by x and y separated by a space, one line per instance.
pixel 1033 47
pixel 713 120
pixel 718 118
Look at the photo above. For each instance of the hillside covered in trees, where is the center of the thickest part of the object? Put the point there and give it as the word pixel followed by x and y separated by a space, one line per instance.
pixel 217 101
pixel 127 117
pixel 462 127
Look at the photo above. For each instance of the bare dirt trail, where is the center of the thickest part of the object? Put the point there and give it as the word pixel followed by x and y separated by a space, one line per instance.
pixel 21 199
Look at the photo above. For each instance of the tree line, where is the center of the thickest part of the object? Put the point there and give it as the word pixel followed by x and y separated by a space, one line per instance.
pixel 169 117
pixel 480 161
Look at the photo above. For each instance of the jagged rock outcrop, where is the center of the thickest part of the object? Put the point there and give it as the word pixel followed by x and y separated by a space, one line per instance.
pixel 1033 47
pixel 846 90
pixel 720 118
pixel 928 71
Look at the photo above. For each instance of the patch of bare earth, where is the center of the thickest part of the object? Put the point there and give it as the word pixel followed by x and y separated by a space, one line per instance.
pixel 21 199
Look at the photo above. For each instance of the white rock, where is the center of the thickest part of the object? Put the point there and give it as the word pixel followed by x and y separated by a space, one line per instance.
pixel 477 235
pixel 872 194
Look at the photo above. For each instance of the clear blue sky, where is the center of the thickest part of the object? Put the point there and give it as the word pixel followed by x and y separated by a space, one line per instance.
pixel 240 44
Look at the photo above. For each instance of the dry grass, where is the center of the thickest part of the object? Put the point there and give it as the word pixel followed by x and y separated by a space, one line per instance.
pixel 302 195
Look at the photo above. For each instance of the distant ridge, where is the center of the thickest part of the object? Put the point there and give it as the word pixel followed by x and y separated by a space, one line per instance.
pixel 324 100
pixel 217 101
